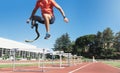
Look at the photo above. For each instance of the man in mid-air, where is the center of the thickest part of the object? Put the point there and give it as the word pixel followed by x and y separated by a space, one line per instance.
pixel 48 17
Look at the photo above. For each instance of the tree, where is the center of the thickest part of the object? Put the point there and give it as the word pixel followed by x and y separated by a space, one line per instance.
pixel 99 39
pixel 107 38
pixel 84 43
pixel 117 41
pixel 74 51
pixel 63 43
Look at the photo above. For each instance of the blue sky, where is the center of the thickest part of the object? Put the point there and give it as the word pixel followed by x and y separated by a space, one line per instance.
pixel 85 17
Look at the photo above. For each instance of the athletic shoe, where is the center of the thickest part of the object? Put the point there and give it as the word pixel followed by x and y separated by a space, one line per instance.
pixel 47 36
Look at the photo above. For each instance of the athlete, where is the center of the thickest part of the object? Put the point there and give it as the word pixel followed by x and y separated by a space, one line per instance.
pixel 48 17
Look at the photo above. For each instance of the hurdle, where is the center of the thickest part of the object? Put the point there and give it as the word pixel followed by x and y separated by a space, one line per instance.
pixel 52 62
pixel 40 65
pixel 13 54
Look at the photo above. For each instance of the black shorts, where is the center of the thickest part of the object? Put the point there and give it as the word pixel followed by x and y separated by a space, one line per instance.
pixel 41 19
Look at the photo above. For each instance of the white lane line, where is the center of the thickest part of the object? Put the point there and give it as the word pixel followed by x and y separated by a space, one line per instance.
pixel 80 68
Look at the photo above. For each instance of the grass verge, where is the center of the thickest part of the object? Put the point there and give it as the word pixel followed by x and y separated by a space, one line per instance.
pixel 17 65
pixel 113 63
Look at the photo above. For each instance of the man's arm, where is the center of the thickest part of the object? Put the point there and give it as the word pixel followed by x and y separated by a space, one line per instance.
pixel 61 10
pixel 33 13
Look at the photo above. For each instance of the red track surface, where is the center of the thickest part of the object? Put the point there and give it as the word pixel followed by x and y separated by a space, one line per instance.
pixel 81 68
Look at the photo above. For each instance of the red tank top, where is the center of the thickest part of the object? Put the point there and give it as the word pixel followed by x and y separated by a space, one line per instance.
pixel 46 6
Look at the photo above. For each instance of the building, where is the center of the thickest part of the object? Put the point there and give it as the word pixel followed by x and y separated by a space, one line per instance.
pixel 23 51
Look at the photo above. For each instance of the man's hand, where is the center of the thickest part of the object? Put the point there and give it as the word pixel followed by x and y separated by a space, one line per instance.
pixel 28 20
pixel 66 20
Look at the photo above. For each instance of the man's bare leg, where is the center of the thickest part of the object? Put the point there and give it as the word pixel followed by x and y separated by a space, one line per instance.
pixel 47 17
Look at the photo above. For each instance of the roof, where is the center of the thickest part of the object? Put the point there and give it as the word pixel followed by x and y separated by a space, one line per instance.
pixel 10 44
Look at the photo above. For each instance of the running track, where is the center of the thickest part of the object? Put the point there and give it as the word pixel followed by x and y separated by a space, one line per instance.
pixel 81 68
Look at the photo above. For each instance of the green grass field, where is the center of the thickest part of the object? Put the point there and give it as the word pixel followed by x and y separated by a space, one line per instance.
pixel 17 65
pixel 5 66
pixel 113 63
pixel 24 64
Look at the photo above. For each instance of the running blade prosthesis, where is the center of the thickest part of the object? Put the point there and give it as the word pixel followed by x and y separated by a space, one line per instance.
pixel 38 34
